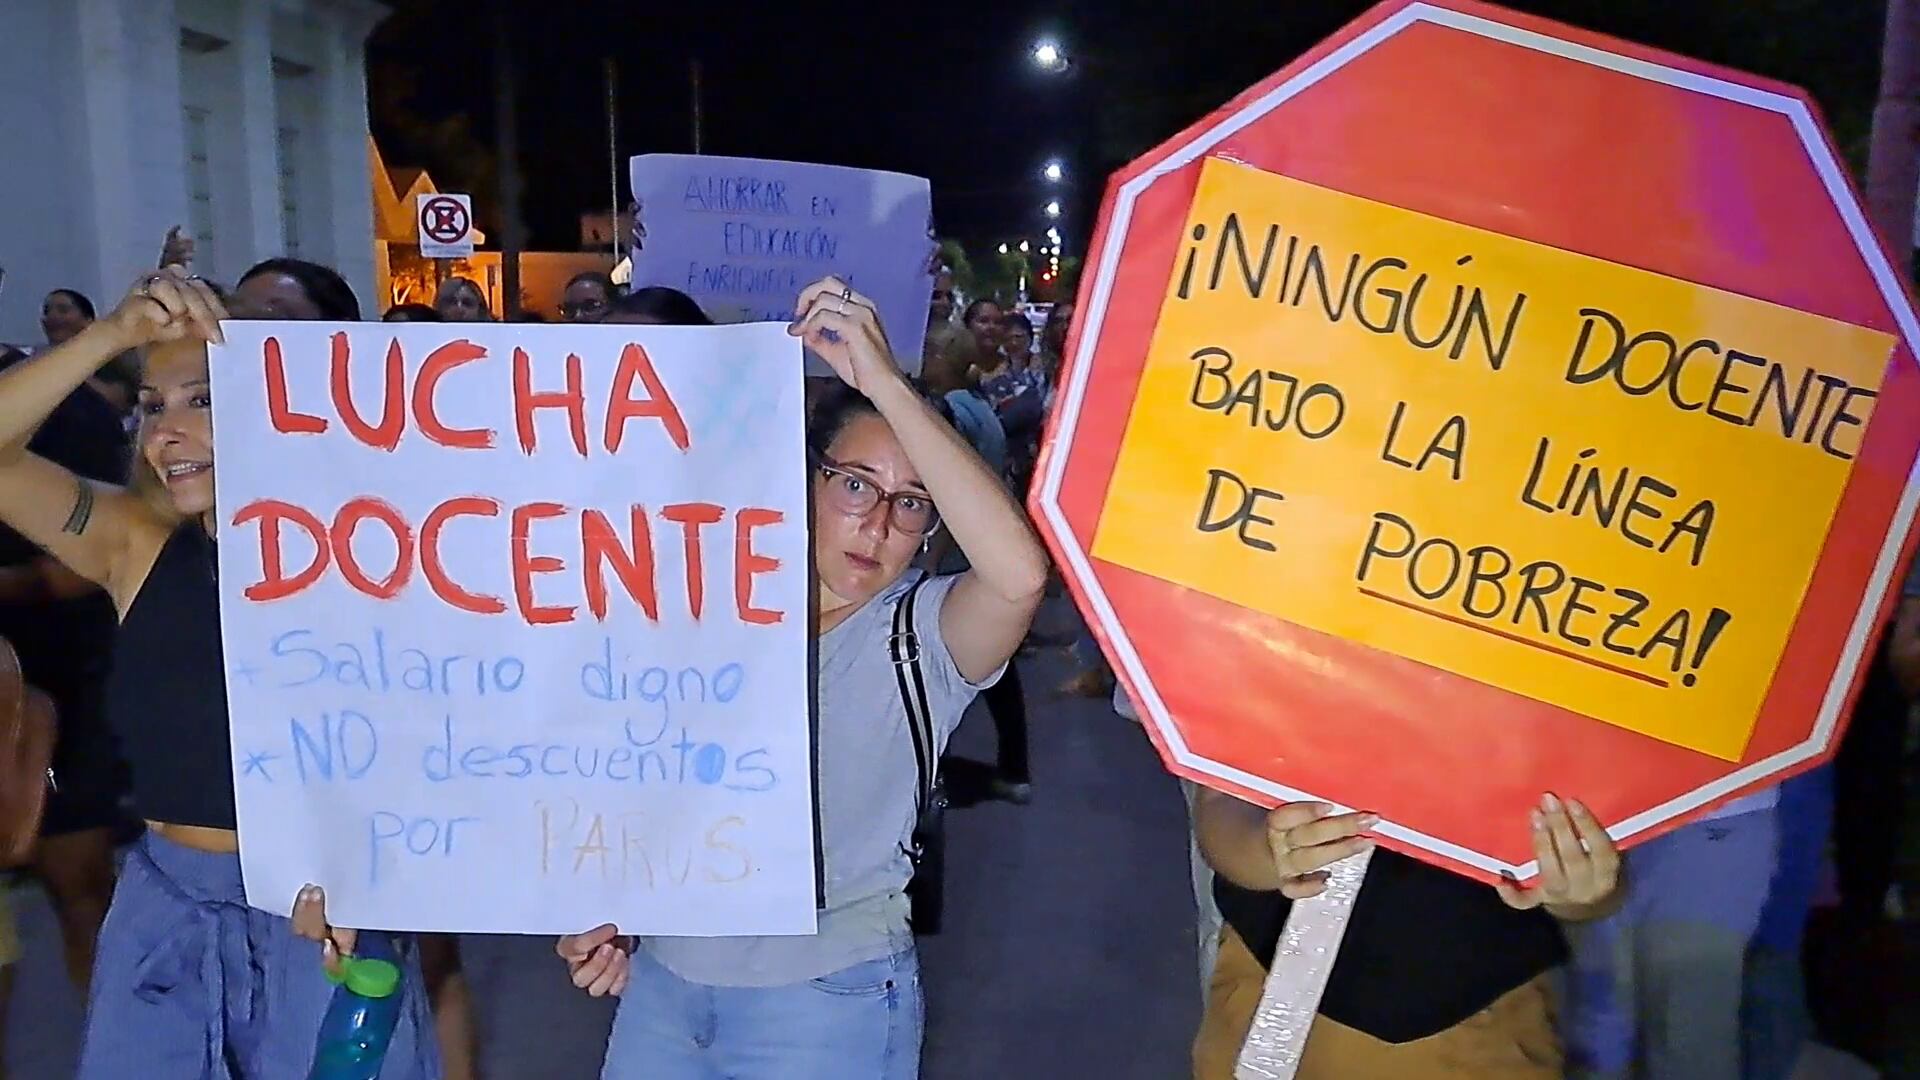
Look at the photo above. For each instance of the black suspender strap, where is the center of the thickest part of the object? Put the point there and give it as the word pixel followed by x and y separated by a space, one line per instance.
pixel 904 649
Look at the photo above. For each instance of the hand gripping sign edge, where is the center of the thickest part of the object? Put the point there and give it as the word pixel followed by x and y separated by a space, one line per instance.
pixel 1133 254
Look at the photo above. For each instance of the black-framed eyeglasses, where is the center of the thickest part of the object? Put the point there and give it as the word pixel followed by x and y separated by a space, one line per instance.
pixel 573 309
pixel 856 496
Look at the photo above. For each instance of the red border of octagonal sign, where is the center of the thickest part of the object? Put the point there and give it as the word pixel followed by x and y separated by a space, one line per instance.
pixel 1843 272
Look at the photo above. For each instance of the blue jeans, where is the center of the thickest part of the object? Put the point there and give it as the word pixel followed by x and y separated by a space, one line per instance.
pixel 1654 991
pixel 860 1023
pixel 189 982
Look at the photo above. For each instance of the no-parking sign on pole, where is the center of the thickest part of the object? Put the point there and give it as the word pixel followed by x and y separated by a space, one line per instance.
pixel 446 226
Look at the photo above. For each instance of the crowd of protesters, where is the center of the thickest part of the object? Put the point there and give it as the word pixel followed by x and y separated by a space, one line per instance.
pixel 1677 961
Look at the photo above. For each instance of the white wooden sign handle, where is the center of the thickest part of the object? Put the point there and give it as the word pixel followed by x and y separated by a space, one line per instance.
pixel 1298 975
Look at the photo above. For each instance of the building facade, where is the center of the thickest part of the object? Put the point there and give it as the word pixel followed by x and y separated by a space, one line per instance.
pixel 243 121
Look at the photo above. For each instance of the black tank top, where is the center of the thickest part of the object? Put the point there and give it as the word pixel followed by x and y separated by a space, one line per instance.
pixel 1425 950
pixel 167 695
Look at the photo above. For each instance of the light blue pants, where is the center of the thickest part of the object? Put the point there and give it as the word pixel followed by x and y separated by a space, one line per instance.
pixel 861 1023
pixel 1653 992
pixel 188 981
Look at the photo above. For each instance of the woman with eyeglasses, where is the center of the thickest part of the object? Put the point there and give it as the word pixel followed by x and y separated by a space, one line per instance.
pixel 845 1003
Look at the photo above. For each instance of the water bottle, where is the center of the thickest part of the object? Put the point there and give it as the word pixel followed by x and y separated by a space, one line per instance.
pixel 360 1021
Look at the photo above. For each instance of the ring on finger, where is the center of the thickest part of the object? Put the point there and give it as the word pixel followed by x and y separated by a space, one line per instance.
pixel 846 294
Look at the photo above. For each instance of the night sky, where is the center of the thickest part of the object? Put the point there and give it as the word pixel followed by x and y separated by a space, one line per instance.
pixel 947 91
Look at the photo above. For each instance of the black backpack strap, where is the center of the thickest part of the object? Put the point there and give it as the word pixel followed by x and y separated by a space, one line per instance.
pixel 903 648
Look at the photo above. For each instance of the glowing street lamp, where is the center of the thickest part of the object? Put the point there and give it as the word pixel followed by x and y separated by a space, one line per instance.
pixel 1048 57
pixel 1053 209
pixel 1003 249
pixel 1053 172
pixel 1025 247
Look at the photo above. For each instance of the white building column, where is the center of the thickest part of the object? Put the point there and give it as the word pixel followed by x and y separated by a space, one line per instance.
pixel 133 142
pixel 258 214
pixel 348 231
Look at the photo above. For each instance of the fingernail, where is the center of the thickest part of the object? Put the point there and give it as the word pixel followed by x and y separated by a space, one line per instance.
pixel 1550 801
pixel 1576 806
pixel 1539 820
pixel 1368 821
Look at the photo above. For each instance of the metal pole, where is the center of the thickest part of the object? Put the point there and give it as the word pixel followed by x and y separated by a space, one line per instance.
pixel 693 73
pixel 507 142
pixel 613 165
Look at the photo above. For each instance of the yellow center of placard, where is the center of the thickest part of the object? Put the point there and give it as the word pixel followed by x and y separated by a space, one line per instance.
pixel 1593 485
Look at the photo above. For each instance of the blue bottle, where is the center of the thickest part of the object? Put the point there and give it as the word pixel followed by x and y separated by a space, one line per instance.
pixel 365 1009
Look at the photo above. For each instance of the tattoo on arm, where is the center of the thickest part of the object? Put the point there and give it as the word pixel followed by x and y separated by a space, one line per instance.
pixel 82 508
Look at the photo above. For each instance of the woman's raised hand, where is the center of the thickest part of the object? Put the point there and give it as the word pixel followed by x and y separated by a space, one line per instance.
pixel 843 327
pixel 167 305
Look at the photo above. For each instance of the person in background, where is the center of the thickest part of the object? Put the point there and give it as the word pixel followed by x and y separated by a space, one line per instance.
pixel 189 981
pixel 657 305
pixel 587 297
pixel 1016 341
pixel 940 303
pixel 1775 1021
pixel 951 352
pixel 985 318
pixel 845 1002
pixel 1654 990
pixel 1017 392
pixel 62 625
pixel 293 289
pixel 64 313
pixel 411 313
pixel 460 300
pixel 1438 975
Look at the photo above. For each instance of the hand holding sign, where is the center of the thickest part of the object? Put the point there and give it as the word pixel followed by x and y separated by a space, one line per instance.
pixel 844 329
pixel 597 961
pixel 1307 837
pixel 309 919
pixel 1579 864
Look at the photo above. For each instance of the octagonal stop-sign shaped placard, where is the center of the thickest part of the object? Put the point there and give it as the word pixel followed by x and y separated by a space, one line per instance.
pixel 1481 407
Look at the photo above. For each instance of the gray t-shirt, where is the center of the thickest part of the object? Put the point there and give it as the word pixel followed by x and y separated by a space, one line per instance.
pixel 868 796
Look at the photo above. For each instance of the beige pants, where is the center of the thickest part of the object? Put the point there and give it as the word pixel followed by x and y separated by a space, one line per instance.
pixel 1512 1039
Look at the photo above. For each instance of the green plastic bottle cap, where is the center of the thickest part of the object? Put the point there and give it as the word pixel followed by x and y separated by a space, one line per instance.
pixel 371 978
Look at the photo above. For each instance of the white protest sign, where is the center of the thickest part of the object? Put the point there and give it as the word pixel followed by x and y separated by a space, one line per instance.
pixel 743 236
pixel 516 624
pixel 445 226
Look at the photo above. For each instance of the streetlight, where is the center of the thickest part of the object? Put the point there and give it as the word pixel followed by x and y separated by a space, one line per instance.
pixel 1053 234
pixel 1053 172
pixel 1025 247
pixel 1003 249
pixel 1053 208
pixel 1047 57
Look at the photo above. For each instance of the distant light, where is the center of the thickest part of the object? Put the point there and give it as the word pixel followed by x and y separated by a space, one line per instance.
pixel 1054 171
pixel 1025 247
pixel 1053 234
pixel 1053 208
pixel 1003 249
pixel 1046 55
pixel 1044 250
